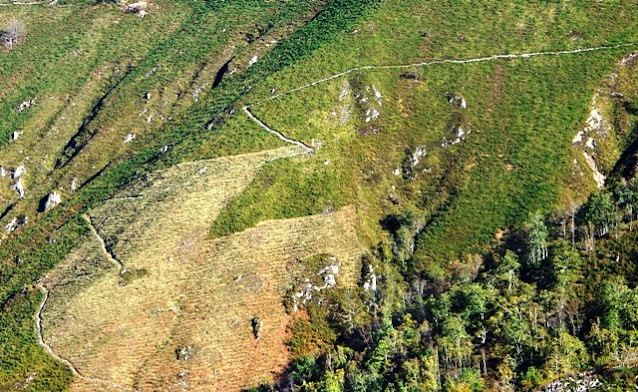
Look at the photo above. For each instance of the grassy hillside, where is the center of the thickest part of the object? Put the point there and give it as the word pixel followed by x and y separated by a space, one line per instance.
pixel 180 54
pixel 522 115
pixel 439 161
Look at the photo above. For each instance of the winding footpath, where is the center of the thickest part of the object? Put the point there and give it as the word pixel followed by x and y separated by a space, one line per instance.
pixel 54 355
pixel 38 327
pixel 23 3
pixel 38 316
pixel 308 149
pixel 447 61
pixel 109 255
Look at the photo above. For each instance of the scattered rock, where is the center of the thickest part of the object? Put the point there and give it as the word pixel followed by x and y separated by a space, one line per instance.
pixel 218 120
pixel 129 138
pixel 184 353
pixel 458 135
pixel 18 187
pixel 138 8
pixel 599 178
pixel 3 172
pixel 328 274
pixel 26 105
pixel 345 91
pixel 198 91
pixel 52 200
pixel 418 153
pixel 30 377
pixel 16 135
pixel 411 160
pixel 304 292
pixel 369 101
pixel 595 120
pixel 147 96
pixel 11 226
pixel 583 382
pixel 596 129
pixel 73 185
pixel 372 114
pixel 303 295
pixel 457 101
pixel 377 95
pixel 630 60
pixel 152 71
pixel 19 171
pixel 253 60
pixel 370 280
pixel 367 131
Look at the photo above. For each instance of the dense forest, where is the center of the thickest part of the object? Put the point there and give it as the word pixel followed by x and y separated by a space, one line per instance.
pixel 552 305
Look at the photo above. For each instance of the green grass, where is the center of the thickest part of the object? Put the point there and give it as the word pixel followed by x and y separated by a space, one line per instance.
pixel 20 352
pixel 522 112
pixel 183 35
pixel 22 357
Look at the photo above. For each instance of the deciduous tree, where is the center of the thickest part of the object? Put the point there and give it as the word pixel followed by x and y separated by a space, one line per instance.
pixel 12 33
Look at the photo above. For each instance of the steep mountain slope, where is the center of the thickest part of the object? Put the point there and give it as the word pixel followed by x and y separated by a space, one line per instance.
pixel 231 154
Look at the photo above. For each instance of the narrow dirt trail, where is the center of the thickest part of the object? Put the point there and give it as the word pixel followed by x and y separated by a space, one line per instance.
pixel 38 327
pixel 54 355
pixel 23 3
pixel 280 135
pixel 309 149
pixel 446 61
pixel 38 315
pixel 100 240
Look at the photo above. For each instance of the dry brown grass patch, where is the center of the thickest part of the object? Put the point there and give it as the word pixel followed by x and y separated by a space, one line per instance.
pixel 197 293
